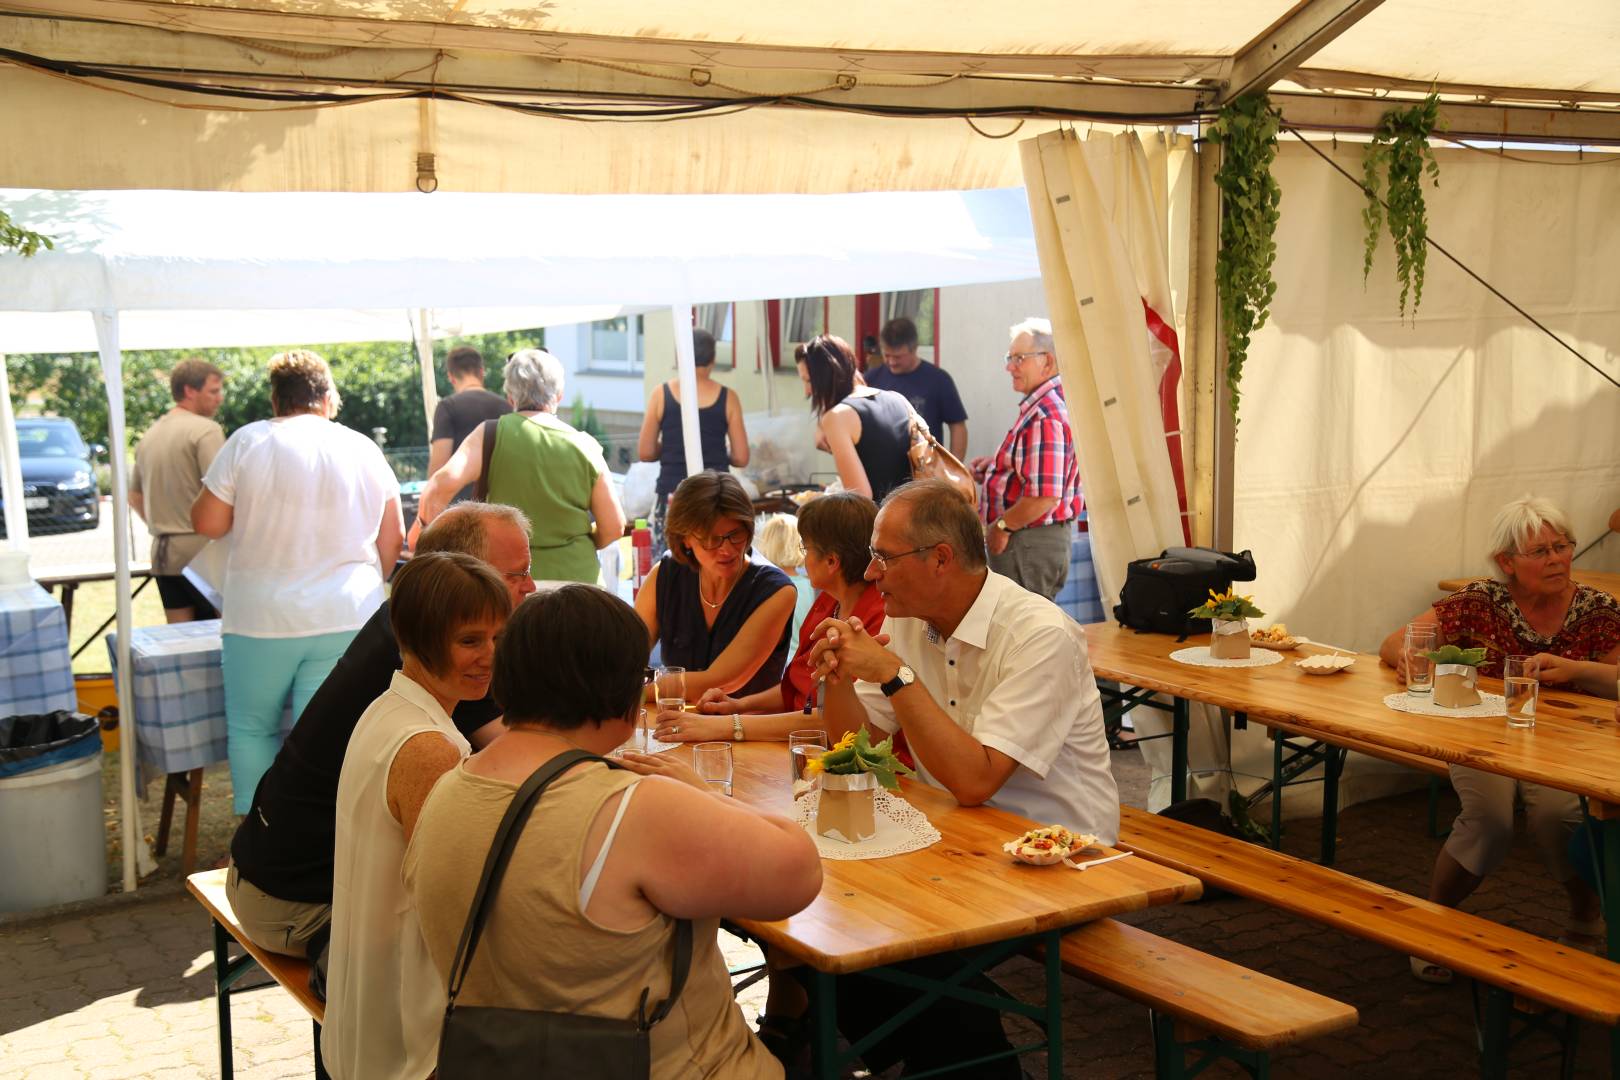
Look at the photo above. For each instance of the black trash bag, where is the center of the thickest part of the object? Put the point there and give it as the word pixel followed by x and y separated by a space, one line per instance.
pixel 38 741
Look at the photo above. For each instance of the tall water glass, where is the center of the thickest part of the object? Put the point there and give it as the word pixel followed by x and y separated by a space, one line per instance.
pixel 670 684
pixel 1521 688
pixel 712 762
pixel 803 745
pixel 1420 641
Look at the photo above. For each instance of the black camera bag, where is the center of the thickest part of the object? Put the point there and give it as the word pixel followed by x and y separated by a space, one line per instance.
pixel 1159 592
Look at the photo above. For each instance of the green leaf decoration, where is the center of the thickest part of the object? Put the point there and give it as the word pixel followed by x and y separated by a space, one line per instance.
pixel 860 756
pixel 1246 132
pixel 1227 606
pixel 1396 162
pixel 25 242
pixel 1451 654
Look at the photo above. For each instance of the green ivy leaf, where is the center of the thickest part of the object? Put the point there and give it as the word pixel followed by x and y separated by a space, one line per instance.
pixel 1399 157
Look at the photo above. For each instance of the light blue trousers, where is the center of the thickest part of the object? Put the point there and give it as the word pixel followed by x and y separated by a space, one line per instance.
pixel 259 674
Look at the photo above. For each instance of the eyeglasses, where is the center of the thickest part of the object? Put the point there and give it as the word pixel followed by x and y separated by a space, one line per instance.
pixel 1019 357
pixel 517 577
pixel 737 538
pixel 883 560
pixel 1540 554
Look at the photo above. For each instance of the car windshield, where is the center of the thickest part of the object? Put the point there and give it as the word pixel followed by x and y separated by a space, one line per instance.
pixel 49 441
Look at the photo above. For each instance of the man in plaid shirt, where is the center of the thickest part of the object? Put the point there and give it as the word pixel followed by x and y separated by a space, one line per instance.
pixel 1032 484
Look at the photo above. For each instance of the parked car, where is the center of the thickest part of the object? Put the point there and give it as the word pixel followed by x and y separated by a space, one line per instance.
pixel 59 478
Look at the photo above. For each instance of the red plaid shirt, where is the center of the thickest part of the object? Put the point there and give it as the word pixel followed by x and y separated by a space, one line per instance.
pixel 1036 459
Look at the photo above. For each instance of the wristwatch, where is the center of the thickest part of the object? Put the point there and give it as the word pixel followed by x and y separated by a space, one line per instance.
pixel 736 727
pixel 1001 523
pixel 902 679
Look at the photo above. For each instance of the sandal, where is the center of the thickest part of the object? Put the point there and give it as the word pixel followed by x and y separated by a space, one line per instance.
pixel 1430 972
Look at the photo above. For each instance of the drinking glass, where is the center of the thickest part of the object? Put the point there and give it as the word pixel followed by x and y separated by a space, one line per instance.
pixel 803 745
pixel 712 762
pixel 1520 687
pixel 1420 641
pixel 670 688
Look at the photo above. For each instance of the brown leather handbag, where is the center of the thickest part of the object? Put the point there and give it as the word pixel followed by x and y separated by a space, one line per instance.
pixel 931 461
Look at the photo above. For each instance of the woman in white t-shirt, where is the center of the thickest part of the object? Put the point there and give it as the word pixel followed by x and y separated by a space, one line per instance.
pixel 312 512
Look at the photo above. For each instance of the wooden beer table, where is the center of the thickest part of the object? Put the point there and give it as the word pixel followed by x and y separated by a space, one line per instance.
pixel 1574 747
pixel 1598 579
pixel 962 893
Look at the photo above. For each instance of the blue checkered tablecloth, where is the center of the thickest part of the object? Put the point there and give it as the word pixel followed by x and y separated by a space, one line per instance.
pixel 36 667
pixel 179 688
pixel 1080 596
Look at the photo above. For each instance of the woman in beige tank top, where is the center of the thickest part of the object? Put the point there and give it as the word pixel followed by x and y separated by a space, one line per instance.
pixel 584 918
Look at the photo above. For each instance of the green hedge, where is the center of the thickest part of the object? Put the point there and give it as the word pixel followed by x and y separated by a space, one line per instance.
pixel 379 382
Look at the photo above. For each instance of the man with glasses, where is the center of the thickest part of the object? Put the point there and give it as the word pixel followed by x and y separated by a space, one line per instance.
pixel 280 882
pixel 1032 483
pixel 993 688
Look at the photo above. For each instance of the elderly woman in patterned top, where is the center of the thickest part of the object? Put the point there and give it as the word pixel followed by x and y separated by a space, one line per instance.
pixel 1533 608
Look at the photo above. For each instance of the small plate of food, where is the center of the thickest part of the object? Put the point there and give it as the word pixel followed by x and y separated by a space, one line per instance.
pixel 1047 845
pixel 1274 637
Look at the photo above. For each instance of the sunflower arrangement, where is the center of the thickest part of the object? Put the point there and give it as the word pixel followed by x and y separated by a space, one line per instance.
pixel 1227 606
pixel 854 753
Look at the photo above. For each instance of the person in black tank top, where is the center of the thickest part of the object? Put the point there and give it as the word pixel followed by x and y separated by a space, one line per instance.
pixel 868 432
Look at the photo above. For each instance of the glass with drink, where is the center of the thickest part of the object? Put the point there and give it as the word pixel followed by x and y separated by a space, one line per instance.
pixel 1420 641
pixel 1521 688
pixel 670 688
pixel 803 745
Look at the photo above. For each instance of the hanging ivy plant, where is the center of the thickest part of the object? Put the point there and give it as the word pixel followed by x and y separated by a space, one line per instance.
pixel 25 242
pixel 1396 162
pixel 1246 131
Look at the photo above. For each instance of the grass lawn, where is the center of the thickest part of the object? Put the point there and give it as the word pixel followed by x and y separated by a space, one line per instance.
pixel 94 602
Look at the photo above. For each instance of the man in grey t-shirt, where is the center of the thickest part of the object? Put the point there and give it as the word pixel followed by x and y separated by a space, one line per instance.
pixel 461 412
pixel 170 461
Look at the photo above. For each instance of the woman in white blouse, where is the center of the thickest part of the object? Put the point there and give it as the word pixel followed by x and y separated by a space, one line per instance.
pixel 312 512
pixel 384 998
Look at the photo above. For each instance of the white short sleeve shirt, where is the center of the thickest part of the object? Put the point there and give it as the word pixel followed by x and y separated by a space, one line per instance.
pixel 307 496
pixel 1016 676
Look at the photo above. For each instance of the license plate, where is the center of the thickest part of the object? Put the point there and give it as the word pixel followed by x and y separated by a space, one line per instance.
pixel 38 502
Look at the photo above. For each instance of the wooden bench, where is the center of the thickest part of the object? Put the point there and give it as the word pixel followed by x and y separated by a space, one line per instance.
pixel 1508 962
pixel 290 972
pixel 1200 1003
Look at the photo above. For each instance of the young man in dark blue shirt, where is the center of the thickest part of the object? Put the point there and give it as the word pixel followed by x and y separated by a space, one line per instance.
pixel 930 390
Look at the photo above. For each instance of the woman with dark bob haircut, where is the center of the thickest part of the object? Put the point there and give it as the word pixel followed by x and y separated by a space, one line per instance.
pixel 837 533
pixel 384 997
pixel 584 919
pixel 713 606
pixel 867 431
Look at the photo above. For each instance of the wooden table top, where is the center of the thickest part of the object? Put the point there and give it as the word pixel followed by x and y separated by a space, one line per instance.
pixel 961 892
pixel 1598 579
pixel 1575 745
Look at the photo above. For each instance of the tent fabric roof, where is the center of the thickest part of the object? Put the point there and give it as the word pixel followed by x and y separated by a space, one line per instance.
pixel 195 252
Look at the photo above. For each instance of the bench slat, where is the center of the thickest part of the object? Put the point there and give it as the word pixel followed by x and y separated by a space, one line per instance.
pixel 1246 1008
pixel 1568 979
pixel 291 972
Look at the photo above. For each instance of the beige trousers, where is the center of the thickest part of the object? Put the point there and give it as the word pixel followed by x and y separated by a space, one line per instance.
pixel 1483 832
pixel 282 926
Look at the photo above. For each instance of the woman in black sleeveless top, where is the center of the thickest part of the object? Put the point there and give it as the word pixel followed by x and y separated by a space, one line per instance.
pixel 867 431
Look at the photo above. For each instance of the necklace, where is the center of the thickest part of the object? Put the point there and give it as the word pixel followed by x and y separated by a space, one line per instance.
pixel 714 603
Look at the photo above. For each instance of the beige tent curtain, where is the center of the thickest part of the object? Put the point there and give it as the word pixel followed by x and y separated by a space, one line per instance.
pixel 1100 210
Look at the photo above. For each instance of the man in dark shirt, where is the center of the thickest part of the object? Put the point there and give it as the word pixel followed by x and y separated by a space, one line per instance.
pixel 930 390
pixel 461 412
pixel 280 880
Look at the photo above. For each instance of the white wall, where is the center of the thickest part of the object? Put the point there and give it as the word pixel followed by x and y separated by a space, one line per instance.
pixel 973 322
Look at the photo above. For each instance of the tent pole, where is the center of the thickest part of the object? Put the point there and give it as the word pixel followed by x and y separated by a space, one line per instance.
pixel 117 452
pixel 424 360
pixel 691 438
pixel 11 485
pixel 1211 494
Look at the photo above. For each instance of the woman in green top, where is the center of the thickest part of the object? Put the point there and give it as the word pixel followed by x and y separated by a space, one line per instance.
pixel 539 464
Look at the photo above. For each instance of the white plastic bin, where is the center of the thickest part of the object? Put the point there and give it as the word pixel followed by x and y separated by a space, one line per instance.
pixel 53 839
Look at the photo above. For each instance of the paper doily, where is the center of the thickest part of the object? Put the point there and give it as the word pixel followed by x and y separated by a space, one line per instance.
pixel 901 827
pixel 1198 656
pixel 1423 705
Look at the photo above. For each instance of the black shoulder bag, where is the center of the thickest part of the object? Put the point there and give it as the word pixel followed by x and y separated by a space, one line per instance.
pixel 489 1043
pixel 481 485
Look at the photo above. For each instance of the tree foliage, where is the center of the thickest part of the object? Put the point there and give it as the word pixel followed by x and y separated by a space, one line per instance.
pixel 25 242
pixel 379 383
pixel 1246 132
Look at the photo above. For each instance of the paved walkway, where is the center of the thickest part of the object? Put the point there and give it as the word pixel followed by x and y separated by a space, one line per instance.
pixel 126 991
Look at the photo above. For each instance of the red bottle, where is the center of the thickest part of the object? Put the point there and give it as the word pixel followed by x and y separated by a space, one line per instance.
pixel 641 544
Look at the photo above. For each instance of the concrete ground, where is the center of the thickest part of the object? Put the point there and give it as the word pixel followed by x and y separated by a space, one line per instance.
pixel 123 988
